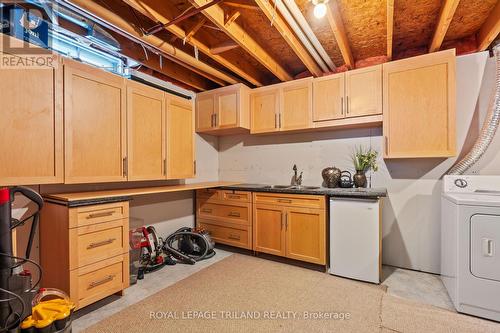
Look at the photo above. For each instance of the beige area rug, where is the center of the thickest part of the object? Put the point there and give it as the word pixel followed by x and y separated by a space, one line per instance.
pixel 247 294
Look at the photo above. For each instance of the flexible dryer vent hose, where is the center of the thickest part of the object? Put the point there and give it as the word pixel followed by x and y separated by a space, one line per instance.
pixel 489 127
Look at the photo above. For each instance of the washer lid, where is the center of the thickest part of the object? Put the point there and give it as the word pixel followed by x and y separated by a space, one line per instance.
pixel 474 198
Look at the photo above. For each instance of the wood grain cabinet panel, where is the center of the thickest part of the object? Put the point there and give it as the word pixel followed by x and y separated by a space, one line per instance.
pixel 268 229
pixel 223 111
pixel 180 138
pixel 264 110
pixel 31 139
pixel 363 91
pixel 305 234
pixel 296 111
pixel 328 98
pixel 146 132
pixel 419 106
pixel 95 125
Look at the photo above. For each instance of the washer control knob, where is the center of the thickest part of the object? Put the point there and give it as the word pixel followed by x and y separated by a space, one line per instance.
pixel 460 182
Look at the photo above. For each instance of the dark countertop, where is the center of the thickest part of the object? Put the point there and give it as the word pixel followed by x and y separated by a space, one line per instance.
pixel 331 192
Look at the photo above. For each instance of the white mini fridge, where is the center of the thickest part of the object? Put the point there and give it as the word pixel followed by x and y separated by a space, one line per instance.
pixel 355 237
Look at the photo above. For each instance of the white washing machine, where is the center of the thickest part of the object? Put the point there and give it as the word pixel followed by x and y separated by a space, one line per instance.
pixel 470 244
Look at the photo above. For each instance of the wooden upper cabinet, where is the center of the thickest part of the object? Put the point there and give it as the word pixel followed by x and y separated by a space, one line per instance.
pixel 419 106
pixel 31 139
pixel 328 98
pixel 264 110
pixel 146 132
pixel 363 88
pixel 95 125
pixel 268 229
pixel 180 138
pixel 205 113
pixel 305 234
pixel 296 110
pixel 223 111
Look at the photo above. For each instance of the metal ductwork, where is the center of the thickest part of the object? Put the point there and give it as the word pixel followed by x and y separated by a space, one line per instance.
pixel 489 127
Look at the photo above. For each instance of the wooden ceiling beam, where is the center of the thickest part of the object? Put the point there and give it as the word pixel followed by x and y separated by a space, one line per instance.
pixel 223 47
pixel 337 26
pixel 240 5
pixel 447 12
pixel 390 27
pixel 490 29
pixel 231 17
pixel 194 29
pixel 158 13
pixel 119 24
pixel 240 36
pixel 286 32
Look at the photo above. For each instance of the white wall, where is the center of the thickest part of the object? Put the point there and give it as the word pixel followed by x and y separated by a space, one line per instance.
pixel 411 216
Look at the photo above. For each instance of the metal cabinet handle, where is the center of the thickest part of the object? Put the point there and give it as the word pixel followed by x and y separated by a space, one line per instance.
pixel 125 166
pixel 165 167
pixel 276 121
pixel 285 200
pixel 100 282
pixel 234 237
pixel 234 214
pixel 286 221
pixel 282 221
pixel 386 144
pixel 347 102
pixel 206 210
pixel 232 196
pixel 103 214
pixel 99 244
pixel 279 117
pixel 342 105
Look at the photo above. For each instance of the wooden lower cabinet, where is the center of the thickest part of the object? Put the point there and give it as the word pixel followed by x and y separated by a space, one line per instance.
pixel 284 228
pixel 84 250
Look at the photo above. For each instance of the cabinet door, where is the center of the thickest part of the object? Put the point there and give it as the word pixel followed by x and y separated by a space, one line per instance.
pixel 264 107
pixel 305 234
pixel 268 229
pixel 328 98
pixel 364 91
pixel 95 125
pixel 180 138
pixel 296 110
pixel 31 138
pixel 227 109
pixel 145 129
pixel 419 106
pixel 205 112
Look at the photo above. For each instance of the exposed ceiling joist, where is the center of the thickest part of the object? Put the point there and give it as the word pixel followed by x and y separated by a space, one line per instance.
pixel 223 47
pixel 240 5
pixel 447 11
pixel 231 17
pixel 490 29
pixel 115 22
pixel 337 26
pixel 390 27
pixel 288 35
pixel 151 9
pixel 240 36
pixel 194 29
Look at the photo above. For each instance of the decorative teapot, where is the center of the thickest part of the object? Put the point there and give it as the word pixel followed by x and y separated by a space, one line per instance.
pixel 331 176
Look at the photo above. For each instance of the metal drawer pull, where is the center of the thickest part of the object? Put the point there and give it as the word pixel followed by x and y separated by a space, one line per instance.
pixel 99 244
pixel 234 214
pixel 101 282
pixel 206 210
pixel 231 196
pixel 103 214
pixel 285 200
pixel 235 237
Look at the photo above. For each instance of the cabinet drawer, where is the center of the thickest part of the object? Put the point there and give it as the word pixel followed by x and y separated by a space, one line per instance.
pixel 88 215
pixel 97 242
pixel 306 201
pixel 208 193
pixel 237 214
pixel 236 196
pixel 227 235
pixel 99 283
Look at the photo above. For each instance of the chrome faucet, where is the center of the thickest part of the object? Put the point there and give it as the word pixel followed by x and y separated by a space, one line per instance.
pixel 296 180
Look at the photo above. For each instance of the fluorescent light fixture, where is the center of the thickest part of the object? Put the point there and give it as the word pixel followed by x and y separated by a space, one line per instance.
pixel 319 8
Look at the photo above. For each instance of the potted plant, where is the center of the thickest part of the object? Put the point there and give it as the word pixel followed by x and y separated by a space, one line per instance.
pixel 364 159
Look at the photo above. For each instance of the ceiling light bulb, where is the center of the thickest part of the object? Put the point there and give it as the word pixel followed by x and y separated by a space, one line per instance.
pixel 320 10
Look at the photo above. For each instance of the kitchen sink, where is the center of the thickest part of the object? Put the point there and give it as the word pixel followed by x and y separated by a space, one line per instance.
pixel 292 187
pixel 279 186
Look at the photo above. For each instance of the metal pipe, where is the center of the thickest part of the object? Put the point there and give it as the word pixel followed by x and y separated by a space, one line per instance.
pixel 300 19
pixel 300 34
pixel 489 127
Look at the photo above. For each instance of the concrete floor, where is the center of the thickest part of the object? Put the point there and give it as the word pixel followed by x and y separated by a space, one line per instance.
pixel 418 286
